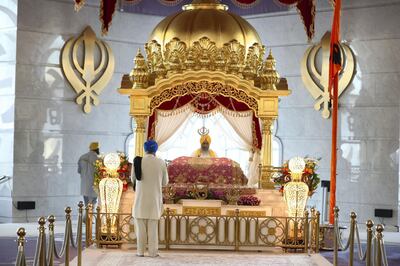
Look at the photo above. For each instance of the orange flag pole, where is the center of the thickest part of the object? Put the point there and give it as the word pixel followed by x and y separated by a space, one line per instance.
pixel 332 200
pixel 335 62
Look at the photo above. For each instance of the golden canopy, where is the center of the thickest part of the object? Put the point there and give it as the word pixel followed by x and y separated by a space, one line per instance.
pixel 205 49
pixel 198 20
pixel 204 36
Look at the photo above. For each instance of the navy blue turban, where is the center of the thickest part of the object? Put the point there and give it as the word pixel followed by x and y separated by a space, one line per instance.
pixel 150 146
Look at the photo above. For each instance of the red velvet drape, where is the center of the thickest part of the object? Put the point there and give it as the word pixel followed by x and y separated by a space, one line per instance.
pixel 78 4
pixel 107 10
pixel 204 104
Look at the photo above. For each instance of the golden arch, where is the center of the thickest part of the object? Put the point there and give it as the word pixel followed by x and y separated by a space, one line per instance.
pixel 264 103
pixel 214 88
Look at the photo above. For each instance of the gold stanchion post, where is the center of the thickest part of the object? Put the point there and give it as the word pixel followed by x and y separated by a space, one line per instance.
pixel 353 217
pixel 370 224
pixel 67 239
pixel 88 224
pixel 79 233
pixel 379 238
pixel 42 244
pixel 20 261
pixel 335 236
pixel 51 219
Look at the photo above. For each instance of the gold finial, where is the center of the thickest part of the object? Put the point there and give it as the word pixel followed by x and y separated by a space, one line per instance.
pixel 41 221
pixel 21 236
pixel 51 219
pixel 205 4
pixel 139 74
pixel 269 75
pixel 369 224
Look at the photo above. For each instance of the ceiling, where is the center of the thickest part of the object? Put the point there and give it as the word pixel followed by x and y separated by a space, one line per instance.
pixel 167 7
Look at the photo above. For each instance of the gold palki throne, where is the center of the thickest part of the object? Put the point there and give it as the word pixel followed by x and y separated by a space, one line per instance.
pixel 206 49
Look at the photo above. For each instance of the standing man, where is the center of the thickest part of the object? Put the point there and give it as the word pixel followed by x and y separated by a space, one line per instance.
pixel 86 169
pixel 148 199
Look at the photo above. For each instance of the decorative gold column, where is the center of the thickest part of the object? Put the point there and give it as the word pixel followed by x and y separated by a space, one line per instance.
pixel 140 134
pixel 266 153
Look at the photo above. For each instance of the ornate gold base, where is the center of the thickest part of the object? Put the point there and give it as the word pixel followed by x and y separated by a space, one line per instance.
pixel 266 176
pixel 267 184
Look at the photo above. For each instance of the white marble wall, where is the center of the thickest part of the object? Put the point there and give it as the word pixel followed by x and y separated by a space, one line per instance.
pixel 369 110
pixel 8 33
pixel 51 131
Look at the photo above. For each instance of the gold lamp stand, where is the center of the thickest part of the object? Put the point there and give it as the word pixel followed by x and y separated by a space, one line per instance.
pixel 296 191
pixel 110 194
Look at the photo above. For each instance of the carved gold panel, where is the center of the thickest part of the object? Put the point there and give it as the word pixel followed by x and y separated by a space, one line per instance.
pixel 171 212
pixel 316 79
pixel 268 107
pixel 201 211
pixel 88 65
pixel 246 213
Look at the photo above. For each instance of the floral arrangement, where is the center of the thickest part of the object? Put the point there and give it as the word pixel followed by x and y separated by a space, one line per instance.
pixel 309 176
pixel 249 200
pixel 100 171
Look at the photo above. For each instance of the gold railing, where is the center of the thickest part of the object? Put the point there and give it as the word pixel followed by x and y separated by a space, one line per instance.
pixel 230 232
pixel 375 253
pixel 46 251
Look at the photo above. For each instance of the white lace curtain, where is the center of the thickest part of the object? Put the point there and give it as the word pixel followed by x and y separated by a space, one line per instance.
pixel 243 126
pixel 169 122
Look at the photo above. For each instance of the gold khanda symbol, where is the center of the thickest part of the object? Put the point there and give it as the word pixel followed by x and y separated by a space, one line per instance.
pixel 87 75
pixel 316 80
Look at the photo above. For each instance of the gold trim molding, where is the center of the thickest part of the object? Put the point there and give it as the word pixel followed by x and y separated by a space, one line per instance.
pixel 215 88
pixel 145 100
pixel 201 210
pixel 205 55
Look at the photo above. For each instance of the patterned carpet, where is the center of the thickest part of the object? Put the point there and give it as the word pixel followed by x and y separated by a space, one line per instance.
pixel 104 257
pixel 93 256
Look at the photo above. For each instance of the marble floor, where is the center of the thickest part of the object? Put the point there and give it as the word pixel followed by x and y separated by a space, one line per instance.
pixel 94 256
pixel 103 257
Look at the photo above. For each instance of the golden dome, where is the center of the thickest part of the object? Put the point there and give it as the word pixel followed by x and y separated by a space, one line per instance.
pixel 204 36
pixel 205 19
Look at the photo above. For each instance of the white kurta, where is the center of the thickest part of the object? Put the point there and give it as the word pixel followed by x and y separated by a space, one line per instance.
pixel 86 169
pixel 148 196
